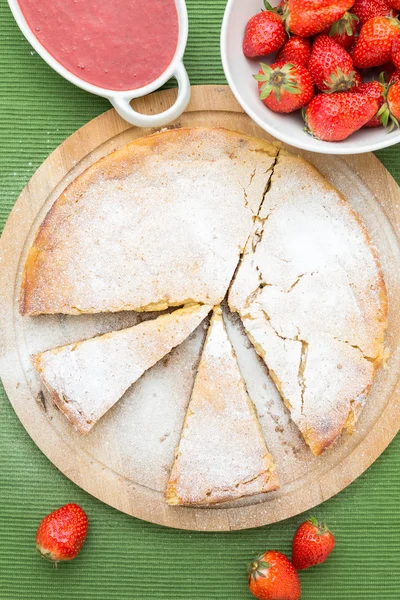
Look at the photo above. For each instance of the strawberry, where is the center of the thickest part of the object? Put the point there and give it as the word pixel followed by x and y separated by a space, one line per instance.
pixel 331 67
pixel 272 577
pixel 374 89
pixel 395 77
pixel 284 87
pixel 309 17
pixel 396 52
pixel 343 31
pixel 333 117
pixel 393 101
pixel 389 106
pixel 265 33
pixel 358 80
pixel 394 4
pixel 368 9
pixel 297 50
pixel 374 45
pixel 61 534
pixel 389 112
pixel 312 544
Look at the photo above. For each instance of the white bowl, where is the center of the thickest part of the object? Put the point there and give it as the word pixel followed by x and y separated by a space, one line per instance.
pixel 121 99
pixel 288 128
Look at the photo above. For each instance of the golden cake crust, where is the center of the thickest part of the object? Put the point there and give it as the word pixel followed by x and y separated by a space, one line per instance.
pixel 145 227
pixel 312 298
pixel 222 454
pixel 87 378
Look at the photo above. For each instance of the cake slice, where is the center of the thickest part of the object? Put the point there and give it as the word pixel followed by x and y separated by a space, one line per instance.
pixel 222 454
pixel 312 298
pixel 87 378
pixel 161 222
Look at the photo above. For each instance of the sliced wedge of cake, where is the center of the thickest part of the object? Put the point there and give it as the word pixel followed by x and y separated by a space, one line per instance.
pixel 312 298
pixel 159 223
pixel 222 454
pixel 87 378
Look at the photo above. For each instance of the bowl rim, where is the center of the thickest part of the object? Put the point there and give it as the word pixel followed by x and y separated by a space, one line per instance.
pixel 183 30
pixel 324 147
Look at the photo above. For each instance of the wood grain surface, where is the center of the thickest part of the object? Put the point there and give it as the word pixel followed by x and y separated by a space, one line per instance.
pixel 124 473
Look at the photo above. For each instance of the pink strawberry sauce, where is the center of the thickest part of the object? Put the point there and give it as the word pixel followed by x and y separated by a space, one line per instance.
pixel 113 44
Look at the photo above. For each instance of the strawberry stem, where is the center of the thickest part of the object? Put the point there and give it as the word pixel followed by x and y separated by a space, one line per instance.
pixel 277 80
pixel 321 527
pixel 339 82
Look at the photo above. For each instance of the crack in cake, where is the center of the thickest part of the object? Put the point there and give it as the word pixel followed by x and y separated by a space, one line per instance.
pixel 189 217
pixel 312 298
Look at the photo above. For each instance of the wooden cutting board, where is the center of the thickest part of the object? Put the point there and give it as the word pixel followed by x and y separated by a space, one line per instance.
pixel 125 460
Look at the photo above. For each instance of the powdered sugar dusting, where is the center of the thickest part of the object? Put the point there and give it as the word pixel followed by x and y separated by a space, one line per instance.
pixel 86 379
pixel 311 295
pixel 222 454
pixel 146 227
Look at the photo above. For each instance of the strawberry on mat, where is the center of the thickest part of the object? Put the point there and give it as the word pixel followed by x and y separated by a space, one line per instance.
pixel 312 544
pixel 61 534
pixel 271 576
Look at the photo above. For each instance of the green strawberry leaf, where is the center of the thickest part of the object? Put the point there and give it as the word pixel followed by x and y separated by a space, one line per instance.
pixel 394 123
pixel 265 91
pixel 339 82
pixel 291 89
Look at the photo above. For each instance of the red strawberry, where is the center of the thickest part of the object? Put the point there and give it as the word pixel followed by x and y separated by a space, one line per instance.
pixel 61 534
pixel 344 30
pixel 396 52
pixel 331 67
pixel 297 50
pixel 273 577
pixel 394 4
pixel 358 80
pixel 373 89
pixel 368 9
pixel 333 117
pixel 377 90
pixel 395 77
pixel 374 45
pixel 284 87
pixel 309 17
pixel 393 101
pixel 312 544
pixel 265 33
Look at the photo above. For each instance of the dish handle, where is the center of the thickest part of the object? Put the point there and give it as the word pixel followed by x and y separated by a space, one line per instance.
pixel 125 110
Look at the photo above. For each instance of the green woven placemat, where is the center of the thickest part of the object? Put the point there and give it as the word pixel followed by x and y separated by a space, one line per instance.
pixel 125 558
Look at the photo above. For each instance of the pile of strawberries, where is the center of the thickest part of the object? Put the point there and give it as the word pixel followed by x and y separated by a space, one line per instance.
pixel 341 68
